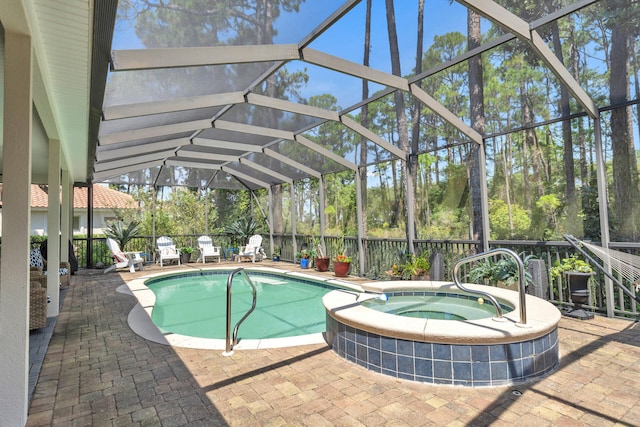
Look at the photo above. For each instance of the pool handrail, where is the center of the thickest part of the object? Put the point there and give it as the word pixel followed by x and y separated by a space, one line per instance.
pixel 521 280
pixel 232 338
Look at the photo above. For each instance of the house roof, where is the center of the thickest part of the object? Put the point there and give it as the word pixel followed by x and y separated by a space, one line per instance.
pixel 103 198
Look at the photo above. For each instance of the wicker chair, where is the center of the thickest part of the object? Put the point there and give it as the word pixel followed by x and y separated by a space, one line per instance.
pixel 37 299
pixel 64 272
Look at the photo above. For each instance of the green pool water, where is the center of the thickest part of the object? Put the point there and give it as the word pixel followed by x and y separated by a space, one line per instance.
pixel 196 306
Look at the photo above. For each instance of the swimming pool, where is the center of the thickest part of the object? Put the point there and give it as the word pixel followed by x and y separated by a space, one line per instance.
pixel 195 305
pixel 436 305
pixel 267 279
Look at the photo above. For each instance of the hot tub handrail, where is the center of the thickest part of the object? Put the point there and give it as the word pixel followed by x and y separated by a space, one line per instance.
pixel 232 338
pixel 521 281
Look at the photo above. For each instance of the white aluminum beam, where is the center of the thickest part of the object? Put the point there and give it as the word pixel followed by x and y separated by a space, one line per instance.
pixel 331 62
pixel 293 107
pixel 373 137
pixel 522 30
pixel 226 145
pixel 187 163
pixel 499 14
pixel 143 59
pixel 103 154
pixel 329 21
pixel 327 153
pixel 563 74
pixel 101 176
pixel 292 163
pixel 447 115
pixel 161 155
pixel 207 156
pixel 171 105
pixel 251 129
pixel 156 131
pixel 245 177
pixel 265 170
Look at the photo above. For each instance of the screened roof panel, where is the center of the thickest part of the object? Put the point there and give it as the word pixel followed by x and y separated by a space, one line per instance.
pixel 216 135
pixel 228 182
pixel 135 86
pixel 279 85
pixel 154 120
pixel 268 117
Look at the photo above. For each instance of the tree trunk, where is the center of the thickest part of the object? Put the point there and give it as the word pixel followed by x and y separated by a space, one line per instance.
pixel 476 95
pixel 625 185
pixel 401 117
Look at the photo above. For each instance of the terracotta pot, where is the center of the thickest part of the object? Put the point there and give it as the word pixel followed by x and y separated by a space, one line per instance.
pixel 322 264
pixel 341 269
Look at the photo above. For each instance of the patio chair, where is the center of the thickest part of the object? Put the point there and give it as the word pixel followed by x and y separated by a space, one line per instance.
pixel 205 245
pixel 253 250
pixel 123 259
pixel 64 271
pixel 166 250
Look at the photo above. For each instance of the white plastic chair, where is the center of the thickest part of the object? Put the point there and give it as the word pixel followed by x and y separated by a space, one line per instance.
pixel 123 259
pixel 252 250
pixel 166 250
pixel 207 249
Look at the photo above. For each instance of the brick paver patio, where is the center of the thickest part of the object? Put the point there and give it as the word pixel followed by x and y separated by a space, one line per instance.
pixel 97 372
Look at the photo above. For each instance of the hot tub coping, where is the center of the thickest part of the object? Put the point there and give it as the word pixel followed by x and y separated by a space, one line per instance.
pixel 542 316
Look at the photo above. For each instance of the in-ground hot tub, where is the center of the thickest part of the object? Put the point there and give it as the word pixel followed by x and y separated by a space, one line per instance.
pixel 470 352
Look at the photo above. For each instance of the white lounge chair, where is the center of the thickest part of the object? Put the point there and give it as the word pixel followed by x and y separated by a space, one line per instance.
pixel 253 250
pixel 123 259
pixel 166 250
pixel 207 250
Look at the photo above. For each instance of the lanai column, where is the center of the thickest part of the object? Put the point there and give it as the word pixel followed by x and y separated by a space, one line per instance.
pixel 601 177
pixel 293 220
pixel 66 220
pixel 16 212
pixel 53 227
pixel 361 261
pixel 323 224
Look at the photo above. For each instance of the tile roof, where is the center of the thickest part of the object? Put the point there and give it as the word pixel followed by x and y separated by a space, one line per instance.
pixel 103 198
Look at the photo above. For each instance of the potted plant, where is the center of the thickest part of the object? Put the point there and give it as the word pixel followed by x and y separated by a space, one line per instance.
pixel 578 272
pixel 185 254
pixel 304 256
pixel 416 267
pixel 502 273
pixel 507 271
pixel 276 254
pixel 484 272
pixel 321 261
pixel 341 264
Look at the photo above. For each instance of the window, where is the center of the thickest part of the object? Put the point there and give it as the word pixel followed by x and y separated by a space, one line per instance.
pixel 76 223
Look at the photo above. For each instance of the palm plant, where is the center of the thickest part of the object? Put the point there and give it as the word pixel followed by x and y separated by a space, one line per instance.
pixel 241 229
pixel 122 233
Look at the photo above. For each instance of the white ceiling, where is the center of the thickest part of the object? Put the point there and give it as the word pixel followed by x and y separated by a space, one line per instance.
pixel 61 32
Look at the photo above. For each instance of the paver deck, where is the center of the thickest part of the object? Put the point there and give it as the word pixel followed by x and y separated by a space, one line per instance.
pixel 97 372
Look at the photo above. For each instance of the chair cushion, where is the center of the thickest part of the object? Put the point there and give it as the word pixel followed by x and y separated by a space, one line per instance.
pixel 168 250
pixel 35 258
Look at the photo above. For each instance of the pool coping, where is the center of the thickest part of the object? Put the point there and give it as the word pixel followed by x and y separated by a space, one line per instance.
pixel 139 318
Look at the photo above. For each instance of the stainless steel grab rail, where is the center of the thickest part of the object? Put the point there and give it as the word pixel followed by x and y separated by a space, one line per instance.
pixel 521 280
pixel 231 339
